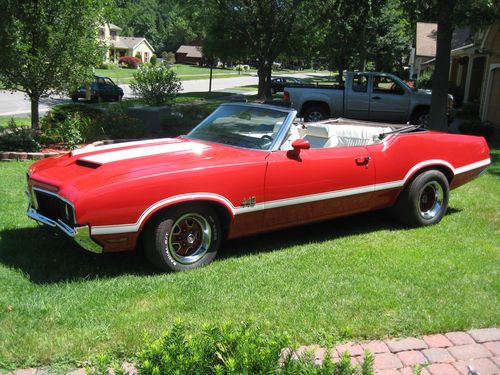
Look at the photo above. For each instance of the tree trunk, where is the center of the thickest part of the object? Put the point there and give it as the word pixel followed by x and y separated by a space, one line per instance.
pixel 439 101
pixel 264 72
pixel 341 67
pixel 35 115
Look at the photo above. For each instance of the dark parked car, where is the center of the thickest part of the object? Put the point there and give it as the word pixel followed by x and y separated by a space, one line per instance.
pixel 279 83
pixel 101 89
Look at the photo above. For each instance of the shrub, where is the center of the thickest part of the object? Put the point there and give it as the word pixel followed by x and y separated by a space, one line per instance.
pixel 242 68
pixel 168 58
pixel 19 138
pixel 138 56
pixel 152 60
pixel 107 66
pixel 157 85
pixel 244 349
pixel 129 61
pixel 93 124
pixel 477 127
pixel 424 80
pixel 67 131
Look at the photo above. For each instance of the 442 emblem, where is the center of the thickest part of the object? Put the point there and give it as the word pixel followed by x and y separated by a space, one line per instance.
pixel 250 202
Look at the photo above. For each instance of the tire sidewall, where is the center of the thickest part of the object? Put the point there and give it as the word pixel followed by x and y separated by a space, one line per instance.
pixel 163 229
pixel 415 190
pixel 310 110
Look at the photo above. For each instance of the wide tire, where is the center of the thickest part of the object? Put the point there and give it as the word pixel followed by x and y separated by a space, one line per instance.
pixel 424 201
pixel 314 114
pixel 183 238
pixel 420 117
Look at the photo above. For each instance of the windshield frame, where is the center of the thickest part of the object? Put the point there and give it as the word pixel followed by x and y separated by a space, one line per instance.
pixel 280 135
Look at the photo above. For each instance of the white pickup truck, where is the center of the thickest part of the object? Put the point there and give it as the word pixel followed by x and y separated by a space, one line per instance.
pixel 365 96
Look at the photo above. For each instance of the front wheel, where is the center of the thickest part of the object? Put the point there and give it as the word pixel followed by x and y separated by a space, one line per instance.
pixel 424 201
pixel 315 114
pixel 183 238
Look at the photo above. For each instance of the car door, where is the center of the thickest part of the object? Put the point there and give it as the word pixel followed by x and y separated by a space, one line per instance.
pixel 319 184
pixel 357 98
pixel 389 101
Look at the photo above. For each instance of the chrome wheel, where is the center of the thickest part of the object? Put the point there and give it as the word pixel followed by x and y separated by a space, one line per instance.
pixel 430 200
pixel 315 116
pixel 189 239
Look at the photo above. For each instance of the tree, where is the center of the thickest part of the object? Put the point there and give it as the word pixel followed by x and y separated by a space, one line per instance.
pixel 448 14
pixel 48 46
pixel 262 27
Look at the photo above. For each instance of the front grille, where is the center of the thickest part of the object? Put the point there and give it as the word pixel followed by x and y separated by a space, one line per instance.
pixel 54 208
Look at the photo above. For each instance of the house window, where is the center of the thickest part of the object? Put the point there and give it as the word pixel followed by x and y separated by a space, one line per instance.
pixel 113 35
pixel 146 57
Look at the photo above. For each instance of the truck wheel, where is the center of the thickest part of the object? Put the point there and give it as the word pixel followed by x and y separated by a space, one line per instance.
pixel 183 237
pixel 420 117
pixel 314 114
pixel 424 201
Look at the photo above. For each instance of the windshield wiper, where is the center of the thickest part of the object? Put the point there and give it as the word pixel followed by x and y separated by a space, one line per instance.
pixel 401 130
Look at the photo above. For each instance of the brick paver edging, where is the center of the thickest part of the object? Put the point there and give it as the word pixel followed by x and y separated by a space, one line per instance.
pixel 21 155
pixel 452 353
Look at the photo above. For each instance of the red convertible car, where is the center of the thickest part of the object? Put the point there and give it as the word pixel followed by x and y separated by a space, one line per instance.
pixel 246 169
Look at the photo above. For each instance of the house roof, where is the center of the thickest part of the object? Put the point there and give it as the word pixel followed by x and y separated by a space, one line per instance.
pixel 426 39
pixel 427 35
pixel 190 51
pixel 114 27
pixel 130 42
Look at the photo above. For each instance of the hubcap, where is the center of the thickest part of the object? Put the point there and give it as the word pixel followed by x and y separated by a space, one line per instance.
pixel 315 116
pixel 430 200
pixel 189 238
pixel 423 119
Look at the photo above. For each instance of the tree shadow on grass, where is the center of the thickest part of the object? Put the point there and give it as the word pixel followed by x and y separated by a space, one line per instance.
pixel 46 256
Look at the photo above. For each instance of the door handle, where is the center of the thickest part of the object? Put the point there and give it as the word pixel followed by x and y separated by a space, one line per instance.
pixel 363 160
pixel 376 98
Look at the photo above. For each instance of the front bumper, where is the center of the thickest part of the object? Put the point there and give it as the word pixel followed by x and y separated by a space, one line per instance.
pixel 81 234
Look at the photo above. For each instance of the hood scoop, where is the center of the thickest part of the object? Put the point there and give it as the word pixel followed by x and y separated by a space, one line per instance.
pixel 88 164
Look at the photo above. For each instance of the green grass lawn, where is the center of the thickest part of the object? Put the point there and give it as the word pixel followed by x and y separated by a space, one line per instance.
pixel 20 121
pixel 353 278
pixel 184 73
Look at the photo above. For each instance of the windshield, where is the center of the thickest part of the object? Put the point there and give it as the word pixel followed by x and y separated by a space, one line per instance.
pixel 241 126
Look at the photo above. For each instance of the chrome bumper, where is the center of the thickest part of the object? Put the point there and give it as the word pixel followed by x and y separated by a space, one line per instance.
pixel 81 234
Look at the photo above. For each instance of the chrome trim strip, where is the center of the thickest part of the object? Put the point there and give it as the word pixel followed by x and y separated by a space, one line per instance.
pixel 80 234
pixel 470 167
pixel 126 228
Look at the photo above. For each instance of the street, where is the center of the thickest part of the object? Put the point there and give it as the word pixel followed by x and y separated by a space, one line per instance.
pixel 16 103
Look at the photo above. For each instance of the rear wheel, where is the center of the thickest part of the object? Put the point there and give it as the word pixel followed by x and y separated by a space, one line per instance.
pixel 424 201
pixel 183 238
pixel 314 114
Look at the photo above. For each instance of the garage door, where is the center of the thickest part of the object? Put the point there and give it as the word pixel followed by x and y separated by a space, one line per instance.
pixel 494 104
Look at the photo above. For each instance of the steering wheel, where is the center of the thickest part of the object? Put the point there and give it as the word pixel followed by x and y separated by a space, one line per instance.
pixel 267 140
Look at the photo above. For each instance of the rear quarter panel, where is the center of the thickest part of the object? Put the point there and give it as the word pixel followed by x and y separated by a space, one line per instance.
pixel 403 156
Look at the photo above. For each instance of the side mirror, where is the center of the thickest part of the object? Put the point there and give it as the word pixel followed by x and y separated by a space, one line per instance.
pixel 299 144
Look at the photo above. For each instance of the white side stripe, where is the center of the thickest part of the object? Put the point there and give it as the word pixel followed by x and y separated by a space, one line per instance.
pixel 127 228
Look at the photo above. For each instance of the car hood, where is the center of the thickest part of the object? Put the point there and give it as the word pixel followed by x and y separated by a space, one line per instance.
pixel 99 167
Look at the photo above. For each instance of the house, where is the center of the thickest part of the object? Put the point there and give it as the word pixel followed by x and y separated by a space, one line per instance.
pixel 475 69
pixel 119 46
pixel 189 54
pixel 424 53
